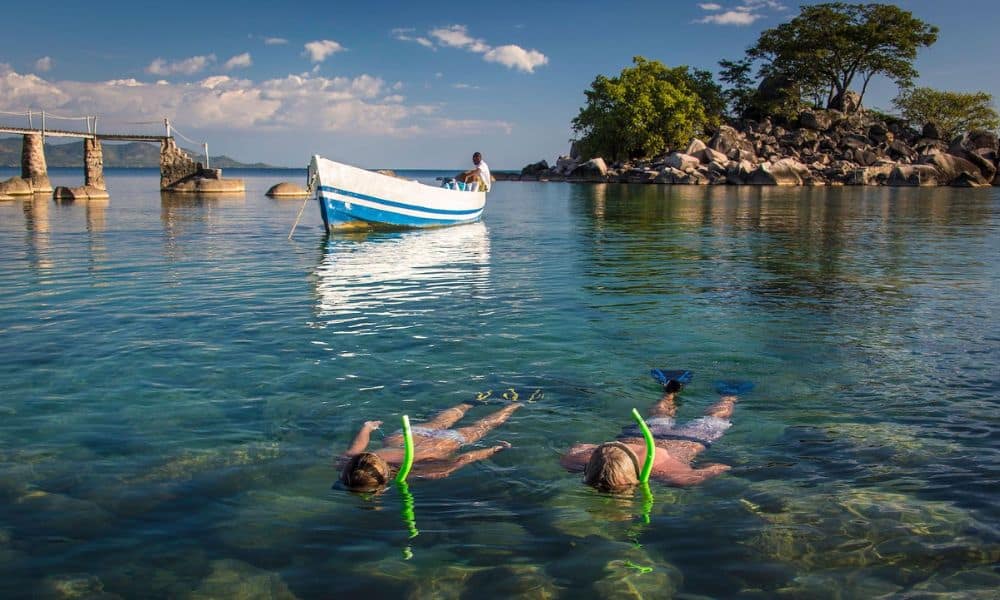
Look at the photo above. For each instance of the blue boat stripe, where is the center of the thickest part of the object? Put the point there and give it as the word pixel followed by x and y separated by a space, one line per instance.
pixel 439 211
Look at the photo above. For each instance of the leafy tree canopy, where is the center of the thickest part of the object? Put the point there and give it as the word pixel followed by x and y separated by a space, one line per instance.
pixel 647 109
pixel 827 46
pixel 954 113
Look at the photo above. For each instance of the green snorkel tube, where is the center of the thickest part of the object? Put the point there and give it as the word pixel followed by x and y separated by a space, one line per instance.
pixel 404 469
pixel 647 466
pixel 406 510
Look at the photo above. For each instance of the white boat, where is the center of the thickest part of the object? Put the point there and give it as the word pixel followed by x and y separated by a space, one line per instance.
pixel 353 198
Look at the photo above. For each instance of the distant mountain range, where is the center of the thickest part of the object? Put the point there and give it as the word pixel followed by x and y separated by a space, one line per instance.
pixel 131 154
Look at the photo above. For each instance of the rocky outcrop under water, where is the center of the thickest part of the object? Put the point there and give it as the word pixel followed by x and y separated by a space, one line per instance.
pixel 824 147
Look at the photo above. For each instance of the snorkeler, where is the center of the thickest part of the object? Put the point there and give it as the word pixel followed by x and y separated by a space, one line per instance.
pixel 434 444
pixel 614 466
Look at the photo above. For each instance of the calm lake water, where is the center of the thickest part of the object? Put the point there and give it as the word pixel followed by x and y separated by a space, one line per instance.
pixel 177 378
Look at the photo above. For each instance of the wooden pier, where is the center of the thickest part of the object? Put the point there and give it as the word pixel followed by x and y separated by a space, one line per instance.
pixel 178 172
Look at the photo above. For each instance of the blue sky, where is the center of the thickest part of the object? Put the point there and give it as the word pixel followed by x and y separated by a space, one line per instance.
pixel 394 84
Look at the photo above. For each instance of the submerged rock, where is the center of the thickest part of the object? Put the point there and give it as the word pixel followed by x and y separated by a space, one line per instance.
pixel 235 579
pixel 71 586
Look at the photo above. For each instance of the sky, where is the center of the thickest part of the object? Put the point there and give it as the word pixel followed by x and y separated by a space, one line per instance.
pixel 397 84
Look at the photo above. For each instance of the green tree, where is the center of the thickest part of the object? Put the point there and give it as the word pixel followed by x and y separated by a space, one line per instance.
pixel 954 113
pixel 827 46
pixel 646 109
pixel 737 75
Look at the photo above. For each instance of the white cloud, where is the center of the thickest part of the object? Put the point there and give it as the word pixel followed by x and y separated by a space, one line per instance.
pixel 465 86
pixel 275 41
pixel 509 55
pixel 43 64
pixel 188 66
pixel 404 34
pixel 457 36
pixel 745 12
pixel 516 57
pixel 237 62
pixel 363 105
pixel 131 82
pixel 731 17
pixel 320 50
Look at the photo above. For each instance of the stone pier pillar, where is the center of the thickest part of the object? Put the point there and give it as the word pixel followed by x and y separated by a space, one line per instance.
pixel 93 164
pixel 175 165
pixel 33 166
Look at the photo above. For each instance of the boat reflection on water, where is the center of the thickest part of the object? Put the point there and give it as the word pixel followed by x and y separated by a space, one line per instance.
pixel 366 281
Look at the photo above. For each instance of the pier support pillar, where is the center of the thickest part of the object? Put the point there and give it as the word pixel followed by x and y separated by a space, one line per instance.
pixel 93 164
pixel 175 165
pixel 33 166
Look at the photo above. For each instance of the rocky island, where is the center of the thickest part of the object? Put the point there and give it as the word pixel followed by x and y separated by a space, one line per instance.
pixel 788 113
pixel 825 147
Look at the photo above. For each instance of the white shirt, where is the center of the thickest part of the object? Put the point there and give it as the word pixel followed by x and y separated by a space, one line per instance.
pixel 484 174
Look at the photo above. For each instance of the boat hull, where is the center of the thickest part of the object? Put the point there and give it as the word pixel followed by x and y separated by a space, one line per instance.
pixel 353 198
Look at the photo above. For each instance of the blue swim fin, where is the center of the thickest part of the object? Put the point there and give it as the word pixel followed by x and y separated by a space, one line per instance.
pixel 672 379
pixel 733 387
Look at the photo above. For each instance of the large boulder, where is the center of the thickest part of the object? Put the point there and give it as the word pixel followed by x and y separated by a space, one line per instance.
pixel 86 192
pixel 535 169
pixel 880 134
pixel 565 165
pixel 848 102
pixel 594 169
pixel 931 131
pixel 913 175
pixel 968 180
pixel 681 161
pixel 15 186
pixel 815 120
pixel 783 172
pixel 926 146
pixel 287 189
pixel 727 139
pixel 981 139
pixel 987 166
pixel 950 167
pixel 707 156
pixel 695 147
pixel 899 150
pixel 738 172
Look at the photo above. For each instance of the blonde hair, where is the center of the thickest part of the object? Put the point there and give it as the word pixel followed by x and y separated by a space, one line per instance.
pixel 365 472
pixel 612 466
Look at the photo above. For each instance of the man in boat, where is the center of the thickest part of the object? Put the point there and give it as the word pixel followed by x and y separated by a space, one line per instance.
pixel 615 466
pixel 478 178
pixel 434 445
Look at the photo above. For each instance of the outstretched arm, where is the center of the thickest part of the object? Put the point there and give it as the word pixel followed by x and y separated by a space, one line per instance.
pixel 691 476
pixel 362 438
pixel 442 469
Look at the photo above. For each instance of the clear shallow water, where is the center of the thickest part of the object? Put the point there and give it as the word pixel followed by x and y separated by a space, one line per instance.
pixel 178 377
